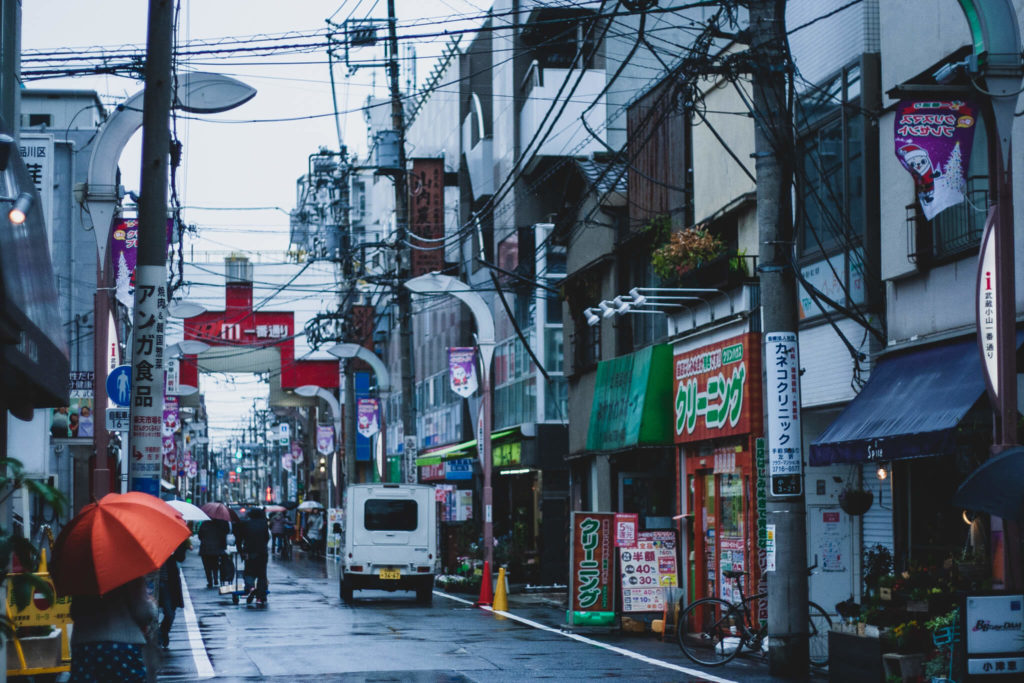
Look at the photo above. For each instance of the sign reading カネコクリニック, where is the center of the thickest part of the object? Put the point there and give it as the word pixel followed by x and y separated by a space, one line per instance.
pixel 717 389
pixel 591 593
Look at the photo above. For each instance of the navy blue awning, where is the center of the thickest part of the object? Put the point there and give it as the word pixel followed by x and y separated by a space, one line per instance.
pixel 910 406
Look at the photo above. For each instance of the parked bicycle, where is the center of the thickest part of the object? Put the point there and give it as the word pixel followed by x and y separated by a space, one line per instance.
pixel 713 631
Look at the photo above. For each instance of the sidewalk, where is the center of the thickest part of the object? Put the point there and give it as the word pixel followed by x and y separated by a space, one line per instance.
pixel 548 607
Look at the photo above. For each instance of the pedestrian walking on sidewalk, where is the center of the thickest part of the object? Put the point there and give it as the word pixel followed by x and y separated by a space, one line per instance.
pixel 253 537
pixel 110 633
pixel 315 533
pixel 170 592
pixel 213 542
pixel 277 531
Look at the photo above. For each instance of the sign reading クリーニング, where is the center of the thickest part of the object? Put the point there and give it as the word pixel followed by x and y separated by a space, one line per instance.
pixel 590 580
pixel 717 389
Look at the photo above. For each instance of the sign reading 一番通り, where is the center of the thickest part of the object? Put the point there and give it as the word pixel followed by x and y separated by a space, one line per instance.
pixel 717 389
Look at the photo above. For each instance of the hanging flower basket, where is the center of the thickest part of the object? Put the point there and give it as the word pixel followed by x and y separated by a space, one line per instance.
pixel 856 501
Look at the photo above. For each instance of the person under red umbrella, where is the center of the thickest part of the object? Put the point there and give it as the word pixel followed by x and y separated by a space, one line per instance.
pixel 102 558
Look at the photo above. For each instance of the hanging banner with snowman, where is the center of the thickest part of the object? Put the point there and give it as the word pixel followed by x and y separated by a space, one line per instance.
pixel 461 370
pixel 933 142
pixel 367 413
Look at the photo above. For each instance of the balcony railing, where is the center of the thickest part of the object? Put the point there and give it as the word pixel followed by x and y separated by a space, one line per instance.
pixel 723 272
pixel 953 233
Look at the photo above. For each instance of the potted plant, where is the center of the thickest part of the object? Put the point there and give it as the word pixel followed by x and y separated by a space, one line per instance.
pixel 686 250
pixel 855 501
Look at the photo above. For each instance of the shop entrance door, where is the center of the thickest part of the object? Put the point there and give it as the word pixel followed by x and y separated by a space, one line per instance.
pixel 829 531
pixel 649 496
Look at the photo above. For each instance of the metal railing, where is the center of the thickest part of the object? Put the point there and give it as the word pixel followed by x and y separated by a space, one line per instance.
pixel 954 232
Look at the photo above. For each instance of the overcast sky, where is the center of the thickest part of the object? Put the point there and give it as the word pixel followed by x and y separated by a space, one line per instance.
pixel 238 176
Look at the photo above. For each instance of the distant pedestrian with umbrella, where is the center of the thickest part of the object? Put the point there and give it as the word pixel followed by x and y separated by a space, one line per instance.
pixel 253 536
pixel 213 543
pixel 102 557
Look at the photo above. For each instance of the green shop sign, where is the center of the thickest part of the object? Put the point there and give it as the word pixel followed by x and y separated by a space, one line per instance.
pixel 632 401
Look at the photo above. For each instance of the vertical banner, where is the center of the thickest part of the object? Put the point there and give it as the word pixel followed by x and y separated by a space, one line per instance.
pixel 124 246
pixel 591 568
pixel 933 142
pixel 985 309
pixel 462 370
pixel 325 439
pixel 296 451
pixel 426 215
pixel 782 394
pixel 367 417
pixel 147 403
pixel 37 152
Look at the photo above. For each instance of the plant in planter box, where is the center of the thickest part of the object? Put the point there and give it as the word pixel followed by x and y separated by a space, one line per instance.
pixel 685 250
pixel 877 563
pixel 910 636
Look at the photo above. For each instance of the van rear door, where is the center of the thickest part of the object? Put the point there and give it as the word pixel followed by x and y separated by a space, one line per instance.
pixel 392 516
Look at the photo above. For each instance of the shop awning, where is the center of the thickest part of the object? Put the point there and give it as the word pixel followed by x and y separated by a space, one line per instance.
pixel 458 450
pixel 632 401
pixel 910 406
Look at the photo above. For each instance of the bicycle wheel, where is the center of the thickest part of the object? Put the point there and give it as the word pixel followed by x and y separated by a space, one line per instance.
pixel 817 635
pixel 709 631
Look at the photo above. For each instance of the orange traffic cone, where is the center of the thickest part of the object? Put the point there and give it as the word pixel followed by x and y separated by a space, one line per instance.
pixel 501 593
pixel 486 596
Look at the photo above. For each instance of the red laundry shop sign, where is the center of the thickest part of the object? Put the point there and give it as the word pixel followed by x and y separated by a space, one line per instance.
pixel 717 389
pixel 591 588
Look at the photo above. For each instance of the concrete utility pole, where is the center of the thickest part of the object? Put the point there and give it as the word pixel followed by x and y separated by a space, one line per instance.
pixel 774 155
pixel 147 402
pixel 402 239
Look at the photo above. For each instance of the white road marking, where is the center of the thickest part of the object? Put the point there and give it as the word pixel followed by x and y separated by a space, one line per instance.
pixel 596 643
pixel 204 669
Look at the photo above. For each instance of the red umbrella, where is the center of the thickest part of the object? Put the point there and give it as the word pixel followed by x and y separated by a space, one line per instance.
pixel 219 511
pixel 109 543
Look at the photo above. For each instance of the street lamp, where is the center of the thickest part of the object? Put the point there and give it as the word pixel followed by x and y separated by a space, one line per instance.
pixel 183 308
pixel 346 351
pixel 309 391
pixel 435 283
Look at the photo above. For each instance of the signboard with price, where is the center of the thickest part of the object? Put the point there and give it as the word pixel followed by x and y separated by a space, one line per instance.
pixel 647 569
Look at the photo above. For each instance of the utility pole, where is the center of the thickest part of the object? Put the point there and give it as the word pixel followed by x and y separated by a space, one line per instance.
pixel 402 237
pixel 774 159
pixel 147 401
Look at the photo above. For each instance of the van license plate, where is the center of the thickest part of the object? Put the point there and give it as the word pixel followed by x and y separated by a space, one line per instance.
pixel 392 574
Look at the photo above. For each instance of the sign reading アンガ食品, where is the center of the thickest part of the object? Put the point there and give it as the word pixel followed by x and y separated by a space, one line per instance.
pixel 591 593
pixel 717 389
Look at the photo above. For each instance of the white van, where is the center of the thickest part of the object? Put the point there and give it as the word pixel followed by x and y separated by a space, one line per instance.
pixel 390 539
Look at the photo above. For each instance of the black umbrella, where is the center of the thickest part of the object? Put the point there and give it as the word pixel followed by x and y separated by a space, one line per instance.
pixel 290 504
pixel 995 487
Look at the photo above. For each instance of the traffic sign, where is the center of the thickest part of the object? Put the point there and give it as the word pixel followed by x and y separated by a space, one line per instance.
pixel 119 385
pixel 118 420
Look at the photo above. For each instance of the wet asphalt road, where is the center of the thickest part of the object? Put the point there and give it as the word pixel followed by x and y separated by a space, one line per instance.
pixel 307 634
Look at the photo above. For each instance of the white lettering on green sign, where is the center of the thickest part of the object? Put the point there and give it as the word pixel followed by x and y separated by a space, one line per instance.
pixel 732 354
pixel 588 573
pixel 721 403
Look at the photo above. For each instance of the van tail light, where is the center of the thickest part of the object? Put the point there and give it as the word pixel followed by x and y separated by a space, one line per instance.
pixel 357 567
pixel 422 570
